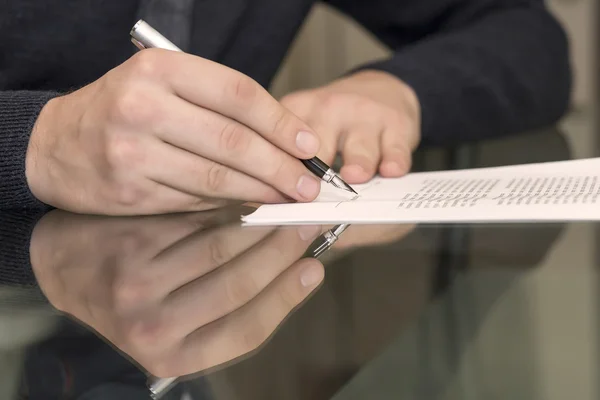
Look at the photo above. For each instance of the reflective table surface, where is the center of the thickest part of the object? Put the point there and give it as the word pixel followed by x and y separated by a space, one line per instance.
pixel 94 308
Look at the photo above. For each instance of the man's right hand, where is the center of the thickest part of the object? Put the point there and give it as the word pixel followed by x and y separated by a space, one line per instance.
pixel 167 132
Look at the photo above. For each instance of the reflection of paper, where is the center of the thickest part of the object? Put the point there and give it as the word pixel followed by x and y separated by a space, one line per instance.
pixel 557 191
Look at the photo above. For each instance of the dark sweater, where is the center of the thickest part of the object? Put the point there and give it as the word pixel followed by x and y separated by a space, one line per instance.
pixel 481 68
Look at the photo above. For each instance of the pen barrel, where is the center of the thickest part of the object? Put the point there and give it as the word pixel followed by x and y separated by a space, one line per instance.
pixel 316 166
pixel 145 36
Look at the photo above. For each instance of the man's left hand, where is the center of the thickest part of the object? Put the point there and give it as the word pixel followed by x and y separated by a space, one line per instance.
pixel 372 118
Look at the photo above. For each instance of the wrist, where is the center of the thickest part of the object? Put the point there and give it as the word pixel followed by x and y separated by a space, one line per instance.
pixel 38 142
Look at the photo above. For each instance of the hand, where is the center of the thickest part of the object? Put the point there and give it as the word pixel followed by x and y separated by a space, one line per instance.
pixel 372 118
pixel 178 294
pixel 166 132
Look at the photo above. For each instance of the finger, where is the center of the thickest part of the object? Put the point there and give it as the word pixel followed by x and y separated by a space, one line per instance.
pixel 235 95
pixel 152 198
pixel 197 176
pixel 330 132
pixel 247 328
pixel 328 128
pixel 302 105
pixel 166 200
pixel 396 153
pixel 228 288
pixel 143 237
pixel 361 154
pixel 229 143
pixel 184 262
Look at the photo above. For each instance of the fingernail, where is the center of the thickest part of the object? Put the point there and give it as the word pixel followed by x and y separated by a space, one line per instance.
pixel 307 143
pixel 308 187
pixel 308 232
pixel 312 276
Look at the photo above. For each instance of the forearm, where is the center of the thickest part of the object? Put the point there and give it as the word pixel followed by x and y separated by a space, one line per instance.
pixel 505 73
pixel 18 113
pixel 480 68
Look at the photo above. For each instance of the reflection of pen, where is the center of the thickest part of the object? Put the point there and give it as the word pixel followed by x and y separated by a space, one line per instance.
pixel 144 37
pixel 328 239
pixel 160 386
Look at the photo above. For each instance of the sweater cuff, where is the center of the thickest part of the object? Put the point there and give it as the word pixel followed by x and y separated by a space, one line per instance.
pixel 421 77
pixel 15 264
pixel 19 111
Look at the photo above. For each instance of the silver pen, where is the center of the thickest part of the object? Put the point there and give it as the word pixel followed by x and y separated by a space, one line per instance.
pixel 144 37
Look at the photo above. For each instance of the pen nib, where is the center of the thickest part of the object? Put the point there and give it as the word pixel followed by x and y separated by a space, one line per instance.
pixel 339 183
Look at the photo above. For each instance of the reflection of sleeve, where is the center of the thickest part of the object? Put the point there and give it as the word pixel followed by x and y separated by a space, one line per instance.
pixel 480 68
pixel 77 364
pixel 15 237
pixel 18 112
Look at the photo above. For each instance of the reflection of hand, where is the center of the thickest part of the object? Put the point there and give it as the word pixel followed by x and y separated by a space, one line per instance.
pixel 372 235
pixel 176 296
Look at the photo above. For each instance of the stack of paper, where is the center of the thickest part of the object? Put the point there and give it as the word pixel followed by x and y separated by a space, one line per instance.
pixel 556 191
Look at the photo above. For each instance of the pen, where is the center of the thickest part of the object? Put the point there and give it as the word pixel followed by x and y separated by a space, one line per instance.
pixel 328 239
pixel 160 386
pixel 144 36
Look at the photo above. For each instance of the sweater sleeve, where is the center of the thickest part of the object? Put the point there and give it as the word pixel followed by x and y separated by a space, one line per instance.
pixel 18 112
pixel 480 68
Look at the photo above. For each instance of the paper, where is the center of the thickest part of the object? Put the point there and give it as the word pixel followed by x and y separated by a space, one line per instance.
pixel 556 191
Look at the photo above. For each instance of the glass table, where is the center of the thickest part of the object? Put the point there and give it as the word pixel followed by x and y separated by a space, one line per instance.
pixel 92 307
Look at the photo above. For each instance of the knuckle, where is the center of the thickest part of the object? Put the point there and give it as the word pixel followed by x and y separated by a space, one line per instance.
pixel 244 90
pixel 139 332
pixel 234 138
pixel 394 117
pixel 278 168
pixel 364 106
pixel 124 151
pixel 289 299
pixel 130 293
pixel 218 252
pixel 282 120
pixel 127 194
pixel 217 178
pixel 331 100
pixel 135 106
pixel 147 63
pixel 124 105
pixel 240 289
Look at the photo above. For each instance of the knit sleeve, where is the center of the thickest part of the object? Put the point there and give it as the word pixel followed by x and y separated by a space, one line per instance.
pixel 18 112
pixel 480 68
